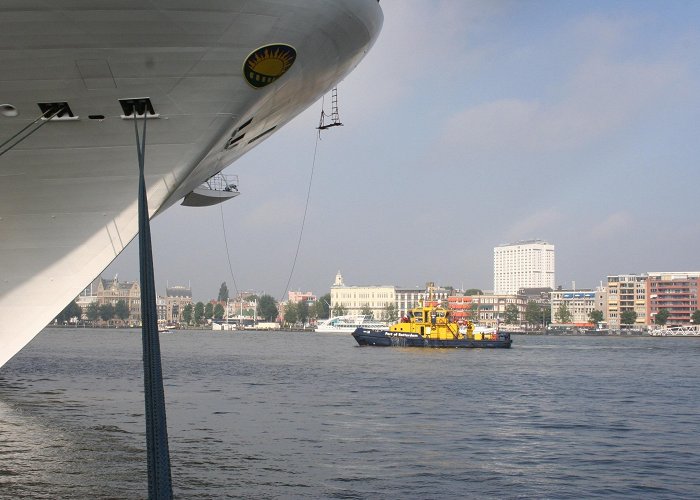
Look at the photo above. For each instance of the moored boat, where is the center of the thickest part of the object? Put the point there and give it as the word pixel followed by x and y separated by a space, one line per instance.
pixel 348 324
pixel 431 326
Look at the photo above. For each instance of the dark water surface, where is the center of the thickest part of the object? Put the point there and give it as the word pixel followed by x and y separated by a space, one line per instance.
pixel 292 415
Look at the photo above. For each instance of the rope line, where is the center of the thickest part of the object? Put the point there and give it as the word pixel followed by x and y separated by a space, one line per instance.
pixel 157 450
pixel 228 253
pixel 49 114
pixel 303 220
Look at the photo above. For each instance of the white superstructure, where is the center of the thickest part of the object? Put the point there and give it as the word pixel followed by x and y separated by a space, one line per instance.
pixel 524 264
pixel 348 324
pixel 218 78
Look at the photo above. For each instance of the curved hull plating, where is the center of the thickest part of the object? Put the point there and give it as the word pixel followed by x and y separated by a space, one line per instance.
pixel 68 191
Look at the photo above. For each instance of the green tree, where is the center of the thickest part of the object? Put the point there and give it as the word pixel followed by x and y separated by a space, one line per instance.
pixel 219 311
pixel 323 306
pixel 563 315
pixel 595 316
pixel 223 293
pixel 198 313
pixel 473 291
pixel 339 310
pixel 290 313
pixel 121 310
pixel 314 310
pixel 661 317
pixel 72 310
pixel 303 311
pixel 366 311
pixel 474 311
pixel 92 311
pixel 695 318
pixel 628 317
pixel 209 310
pixel 187 313
pixel 267 308
pixel 391 314
pixel 512 315
pixel 106 312
pixel 533 313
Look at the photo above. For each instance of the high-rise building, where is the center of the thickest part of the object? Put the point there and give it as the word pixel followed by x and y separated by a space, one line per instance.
pixel 524 264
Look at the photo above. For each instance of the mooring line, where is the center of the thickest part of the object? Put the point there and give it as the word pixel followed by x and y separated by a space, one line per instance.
pixel 303 220
pixel 157 450
pixel 228 253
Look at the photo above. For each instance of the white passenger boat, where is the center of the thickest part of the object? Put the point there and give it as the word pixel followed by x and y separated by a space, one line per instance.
pixel 348 324
pixel 212 79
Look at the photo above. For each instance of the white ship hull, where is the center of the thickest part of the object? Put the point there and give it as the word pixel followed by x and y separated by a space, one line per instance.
pixel 348 324
pixel 68 192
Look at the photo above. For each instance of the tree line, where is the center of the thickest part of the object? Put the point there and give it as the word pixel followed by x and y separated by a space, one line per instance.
pixel 94 312
pixel 536 314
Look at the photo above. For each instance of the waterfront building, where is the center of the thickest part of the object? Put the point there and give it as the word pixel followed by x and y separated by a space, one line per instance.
pixel 88 295
pixel 601 298
pixel 174 302
pixel 627 292
pixel 105 291
pixel 579 303
pixel 353 299
pixel 524 264
pixel 677 292
pixel 463 308
pixel 243 308
pixel 408 298
pixel 112 291
pixel 490 309
pixel 299 296
pixel 162 309
pixel 539 295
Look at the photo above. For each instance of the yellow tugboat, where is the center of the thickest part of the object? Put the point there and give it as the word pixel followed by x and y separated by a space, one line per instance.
pixel 430 326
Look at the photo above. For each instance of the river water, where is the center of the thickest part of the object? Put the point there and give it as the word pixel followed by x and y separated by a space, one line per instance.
pixel 299 415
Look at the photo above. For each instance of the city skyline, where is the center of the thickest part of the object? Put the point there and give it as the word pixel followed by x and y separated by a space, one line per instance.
pixel 470 124
pixel 196 297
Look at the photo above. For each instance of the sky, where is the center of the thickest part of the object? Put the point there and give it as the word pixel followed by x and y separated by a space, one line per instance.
pixel 468 125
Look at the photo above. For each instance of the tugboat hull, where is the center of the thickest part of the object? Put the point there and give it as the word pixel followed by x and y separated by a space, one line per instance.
pixel 384 338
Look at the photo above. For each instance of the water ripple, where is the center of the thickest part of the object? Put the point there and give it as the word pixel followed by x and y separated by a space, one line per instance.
pixel 287 415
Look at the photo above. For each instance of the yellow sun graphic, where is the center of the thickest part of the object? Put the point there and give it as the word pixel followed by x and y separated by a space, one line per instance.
pixel 266 64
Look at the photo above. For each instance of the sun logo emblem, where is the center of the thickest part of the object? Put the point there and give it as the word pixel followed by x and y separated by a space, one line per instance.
pixel 266 64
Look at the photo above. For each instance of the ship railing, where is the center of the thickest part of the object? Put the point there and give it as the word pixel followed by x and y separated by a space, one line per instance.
pixel 676 331
pixel 221 182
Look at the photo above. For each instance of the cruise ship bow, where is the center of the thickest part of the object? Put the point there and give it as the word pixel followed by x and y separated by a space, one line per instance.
pixel 213 78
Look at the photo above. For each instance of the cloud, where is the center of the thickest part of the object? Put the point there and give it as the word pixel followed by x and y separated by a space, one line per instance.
pixel 274 214
pixel 531 226
pixel 600 96
pixel 611 226
pixel 410 51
